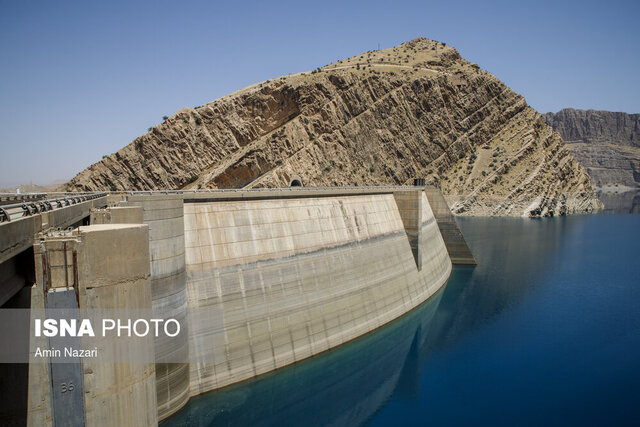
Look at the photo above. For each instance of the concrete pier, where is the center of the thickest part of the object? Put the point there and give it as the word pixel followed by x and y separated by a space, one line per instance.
pixel 164 214
pixel 410 207
pixel 456 245
pixel 94 267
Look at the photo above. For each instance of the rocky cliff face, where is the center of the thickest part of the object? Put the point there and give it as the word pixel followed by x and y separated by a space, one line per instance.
pixel 383 117
pixel 606 143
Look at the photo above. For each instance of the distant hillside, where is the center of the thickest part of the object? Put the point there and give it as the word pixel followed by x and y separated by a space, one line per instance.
pixel 33 188
pixel 382 117
pixel 606 143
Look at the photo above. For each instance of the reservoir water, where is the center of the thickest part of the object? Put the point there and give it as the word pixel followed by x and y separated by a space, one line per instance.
pixel 545 330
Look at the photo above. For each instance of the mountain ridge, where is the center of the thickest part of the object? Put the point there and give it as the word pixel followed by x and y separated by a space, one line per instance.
pixel 381 117
pixel 606 143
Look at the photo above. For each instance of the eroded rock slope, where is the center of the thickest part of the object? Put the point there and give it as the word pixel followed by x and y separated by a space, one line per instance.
pixel 606 143
pixel 383 117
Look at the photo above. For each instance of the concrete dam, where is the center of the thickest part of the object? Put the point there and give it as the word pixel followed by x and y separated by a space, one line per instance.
pixel 275 277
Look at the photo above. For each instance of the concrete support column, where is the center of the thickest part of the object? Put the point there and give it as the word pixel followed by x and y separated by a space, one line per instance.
pixel 39 387
pixel 410 207
pixel 93 267
pixel 165 216
pixel 457 247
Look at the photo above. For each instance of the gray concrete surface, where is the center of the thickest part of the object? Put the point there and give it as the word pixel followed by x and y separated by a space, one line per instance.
pixel 164 215
pixel 294 272
pixel 117 215
pixel 456 245
pixel 296 277
pixel 107 267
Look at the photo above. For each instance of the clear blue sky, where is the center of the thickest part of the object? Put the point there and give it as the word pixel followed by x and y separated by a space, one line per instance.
pixel 82 79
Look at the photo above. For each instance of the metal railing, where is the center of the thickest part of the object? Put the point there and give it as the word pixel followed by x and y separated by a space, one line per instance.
pixel 45 205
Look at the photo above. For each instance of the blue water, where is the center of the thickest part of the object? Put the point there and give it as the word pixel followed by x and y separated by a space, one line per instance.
pixel 544 331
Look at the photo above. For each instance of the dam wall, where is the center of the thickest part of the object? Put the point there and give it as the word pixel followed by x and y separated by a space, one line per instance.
pixel 296 277
pixel 282 275
pixel 164 214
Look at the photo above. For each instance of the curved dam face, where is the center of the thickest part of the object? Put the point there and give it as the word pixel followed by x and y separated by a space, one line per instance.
pixel 343 387
pixel 255 280
pixel 164 216
pixel 295 277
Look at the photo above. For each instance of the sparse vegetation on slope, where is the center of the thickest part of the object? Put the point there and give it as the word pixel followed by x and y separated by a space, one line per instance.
pixel 415 110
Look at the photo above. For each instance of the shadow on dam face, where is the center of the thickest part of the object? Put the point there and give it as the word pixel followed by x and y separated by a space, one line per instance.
pixel 343 386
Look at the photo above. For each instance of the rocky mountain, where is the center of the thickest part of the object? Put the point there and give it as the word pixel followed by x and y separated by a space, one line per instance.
pixel 382 117
pixel 606 143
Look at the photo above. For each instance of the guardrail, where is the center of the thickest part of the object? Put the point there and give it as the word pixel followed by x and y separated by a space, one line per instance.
pixel 36 207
